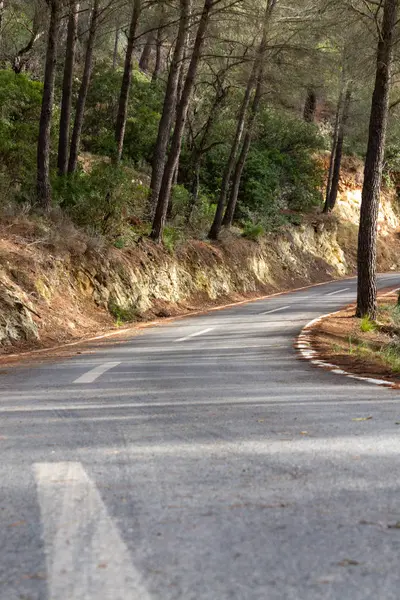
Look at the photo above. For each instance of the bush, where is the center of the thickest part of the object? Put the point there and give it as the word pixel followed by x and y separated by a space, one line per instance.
pixel 253 231
pixel 281 173
pixel 20 105
pixel 367 325
pixel 172 237
pixel 145 103
pixel 106 200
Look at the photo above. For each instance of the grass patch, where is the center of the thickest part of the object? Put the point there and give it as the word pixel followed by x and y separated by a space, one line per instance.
pixel 123 315
pixel 366 325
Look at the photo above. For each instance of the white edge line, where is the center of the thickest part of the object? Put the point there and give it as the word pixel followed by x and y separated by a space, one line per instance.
pixel 304 345
pixel 196 334
pixel 269 312
pixel 148 324
pixel 93 374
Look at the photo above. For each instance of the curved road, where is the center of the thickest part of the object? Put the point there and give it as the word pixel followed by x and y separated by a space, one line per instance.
pixel 201 460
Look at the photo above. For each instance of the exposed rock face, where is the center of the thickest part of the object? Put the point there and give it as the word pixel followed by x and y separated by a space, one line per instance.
pixel 49 297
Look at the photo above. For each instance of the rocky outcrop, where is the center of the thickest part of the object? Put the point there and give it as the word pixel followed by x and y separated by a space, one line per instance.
pixel 50 295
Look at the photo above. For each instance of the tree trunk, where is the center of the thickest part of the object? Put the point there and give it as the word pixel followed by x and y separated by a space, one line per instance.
pixel 217 223
pixel 43 189
pixel 339 150
pixel 165 191
pixel 237 178
pixel 333 149
pixel 146 53
pixel 66 101
pixel 310 106
pixel 157 66
pixel 19 62
pixel 164 129
pixel 126 82
pixel 116 43
pixel 83 90
pixel 366 292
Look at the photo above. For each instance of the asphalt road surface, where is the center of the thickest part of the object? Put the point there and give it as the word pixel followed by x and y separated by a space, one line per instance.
pixel 201 460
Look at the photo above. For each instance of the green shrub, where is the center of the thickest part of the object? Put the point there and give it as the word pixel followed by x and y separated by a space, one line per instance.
pixel 20 105
pixel 144 111
pixel 253 231
pixel 367 325
pixel 123 315
pixel 104 200
pixel 172 236
pixel 281 172
pixel 203 214
pixel 180 199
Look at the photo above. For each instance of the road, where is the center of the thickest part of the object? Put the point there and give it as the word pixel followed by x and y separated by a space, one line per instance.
pixel 201 460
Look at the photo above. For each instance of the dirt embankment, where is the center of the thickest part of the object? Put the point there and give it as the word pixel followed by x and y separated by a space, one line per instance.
pixel 359 346
pixel 57 285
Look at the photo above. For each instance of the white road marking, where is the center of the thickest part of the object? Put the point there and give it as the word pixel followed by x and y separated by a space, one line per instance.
pixel 85 555
pixel 269 312
pixel 196 334
pixel 337 292
pixel 93 374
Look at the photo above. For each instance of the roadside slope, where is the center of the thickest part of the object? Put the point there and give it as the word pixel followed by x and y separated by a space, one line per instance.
pixel 57 284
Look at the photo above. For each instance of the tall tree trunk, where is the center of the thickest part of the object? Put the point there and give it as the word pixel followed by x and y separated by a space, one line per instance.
pixel 164 129
pixel 339 151
pixel 333 148
pixel 146 53
pixel 83 91
pixel 157 64
pixel 200 149
pixel 217 223
pixel 310 106
pixel 43 189
pixel 116 43
pixel 126 82
pixel 237 178
pixel 66 100
pixel 165 191
pixel 226 179
pixel 366 292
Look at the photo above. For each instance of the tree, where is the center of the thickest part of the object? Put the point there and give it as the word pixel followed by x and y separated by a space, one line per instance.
pixel 83 90
pixel 164 129
pixel 43 188
pixel 144 61
pixel 241 122
pixel 66 99
pixel 173 156
pixel 366 290
pixel 338 151
pixel 126 81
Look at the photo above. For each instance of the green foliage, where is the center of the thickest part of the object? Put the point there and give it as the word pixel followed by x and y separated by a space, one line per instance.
pixel 180 202
pixel 253 231
pixel 145 103
pixel 202 214
pixel 282 172
pixel 123 315
pixel 172 237
pixel 367 325
pixel 103 200
pixel 20 104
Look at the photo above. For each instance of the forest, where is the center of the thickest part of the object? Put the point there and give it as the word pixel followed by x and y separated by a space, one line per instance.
pixel 177 119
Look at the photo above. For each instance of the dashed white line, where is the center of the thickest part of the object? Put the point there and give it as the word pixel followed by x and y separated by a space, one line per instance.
pixel 270 312
pixel 337 292
pixel 85 553
pixel 196 334
pixel 93 374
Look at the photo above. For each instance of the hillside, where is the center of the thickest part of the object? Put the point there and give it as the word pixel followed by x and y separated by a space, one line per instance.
pixel 58 286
